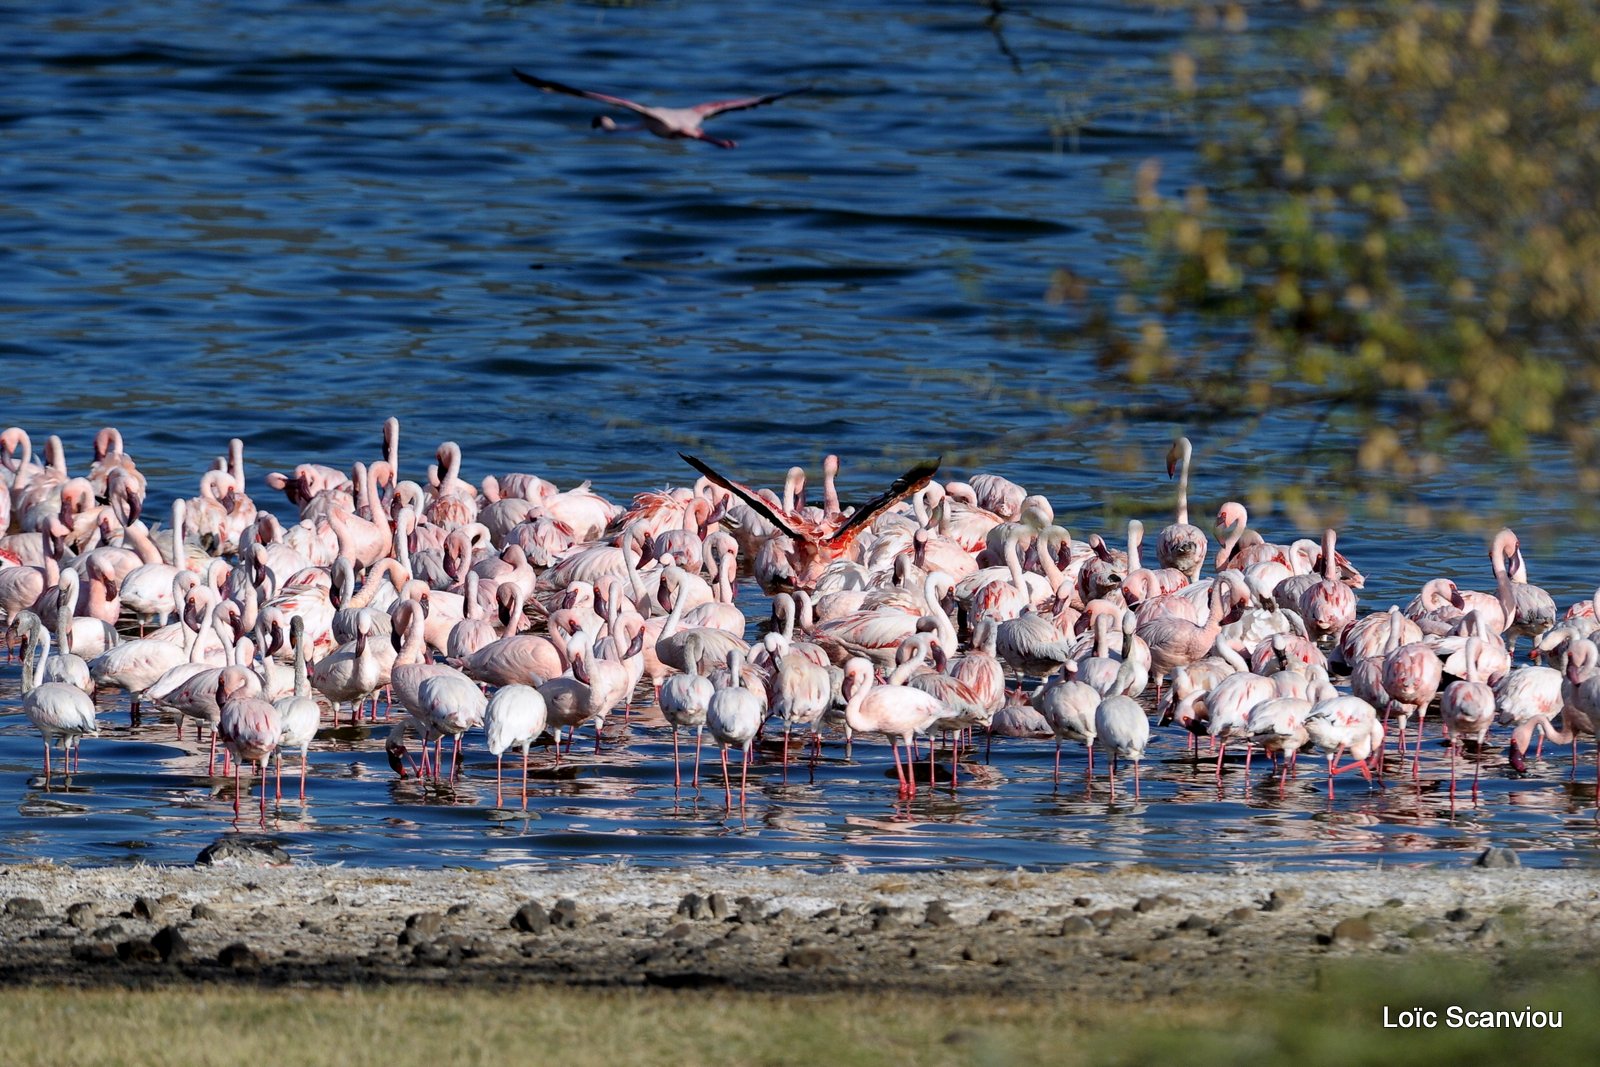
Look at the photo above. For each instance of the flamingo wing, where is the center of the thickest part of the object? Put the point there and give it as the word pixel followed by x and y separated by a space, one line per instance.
pixel 909 482
pixel 745 493
pixel 743 103
pixel 557 87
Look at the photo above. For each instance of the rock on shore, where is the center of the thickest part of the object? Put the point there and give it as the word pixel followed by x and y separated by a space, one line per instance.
pixel 1073 932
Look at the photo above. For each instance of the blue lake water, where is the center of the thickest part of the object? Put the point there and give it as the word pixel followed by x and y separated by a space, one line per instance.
pixel 285 222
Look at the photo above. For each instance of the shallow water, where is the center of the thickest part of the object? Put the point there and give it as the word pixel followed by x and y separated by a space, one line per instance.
pixel 287 223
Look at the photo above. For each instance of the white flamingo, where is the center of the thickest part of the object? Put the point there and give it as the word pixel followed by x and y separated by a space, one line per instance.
pixel 514 718
pixel 60 712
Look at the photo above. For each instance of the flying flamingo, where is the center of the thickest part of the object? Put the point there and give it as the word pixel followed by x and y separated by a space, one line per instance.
pixel 668 122
pixel 816 544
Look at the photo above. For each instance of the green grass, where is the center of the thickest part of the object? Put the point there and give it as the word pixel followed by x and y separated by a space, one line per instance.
pixel 1338 1023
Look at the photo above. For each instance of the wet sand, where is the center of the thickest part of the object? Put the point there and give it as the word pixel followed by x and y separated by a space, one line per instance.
pixel 1135 933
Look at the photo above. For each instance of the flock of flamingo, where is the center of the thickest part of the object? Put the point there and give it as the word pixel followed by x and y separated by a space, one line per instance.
pixel 933 609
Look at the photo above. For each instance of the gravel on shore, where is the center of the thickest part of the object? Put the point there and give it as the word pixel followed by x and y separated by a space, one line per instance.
pixel 1079 933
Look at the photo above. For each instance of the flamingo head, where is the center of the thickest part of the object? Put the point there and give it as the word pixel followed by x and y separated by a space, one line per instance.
pixel 395 750
pixel 12 439
pixel 603 122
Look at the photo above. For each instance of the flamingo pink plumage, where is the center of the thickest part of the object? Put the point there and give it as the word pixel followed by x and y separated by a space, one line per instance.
pixel 668 122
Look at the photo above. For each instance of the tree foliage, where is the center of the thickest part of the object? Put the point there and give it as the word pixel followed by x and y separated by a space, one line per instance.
pixel 1396 218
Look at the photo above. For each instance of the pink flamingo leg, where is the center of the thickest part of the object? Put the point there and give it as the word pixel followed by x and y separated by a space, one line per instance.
pixel 894 750
pixel 499 800
pixel 727 788
pixel 524 777
pixel 744 776
pixel 677 768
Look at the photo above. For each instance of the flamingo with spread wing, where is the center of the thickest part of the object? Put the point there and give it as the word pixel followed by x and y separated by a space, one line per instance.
pixel 666 122
pixel 819 543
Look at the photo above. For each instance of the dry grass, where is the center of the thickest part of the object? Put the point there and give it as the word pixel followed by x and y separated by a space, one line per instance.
pixel 1339 1023
pixel 416 1025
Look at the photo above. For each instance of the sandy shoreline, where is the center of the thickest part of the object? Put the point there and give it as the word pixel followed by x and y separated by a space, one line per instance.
pixel 1071 932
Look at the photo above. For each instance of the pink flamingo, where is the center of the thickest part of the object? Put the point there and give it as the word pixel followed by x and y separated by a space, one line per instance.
pixel 1278 727
pixel 1526 694
pixel 1177 642
pixel 1529 609
pixel 1122 729
pixel 1181 546
pixel 1467 709
pixel 298 713
pixel 1581 693
pixel 1411 676
pixel 1345 724
pixel 801 691
pixel 684 699
pixel 249 727
pixel 56 709
pixel 897 711
pixel 733 716
pixel 815 544
pixel 668 122
pixel 1069 707
pixel 1330 605
pixel 514 717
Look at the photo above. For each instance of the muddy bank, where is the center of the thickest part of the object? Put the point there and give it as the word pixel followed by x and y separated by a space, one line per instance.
pixel 1079 933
